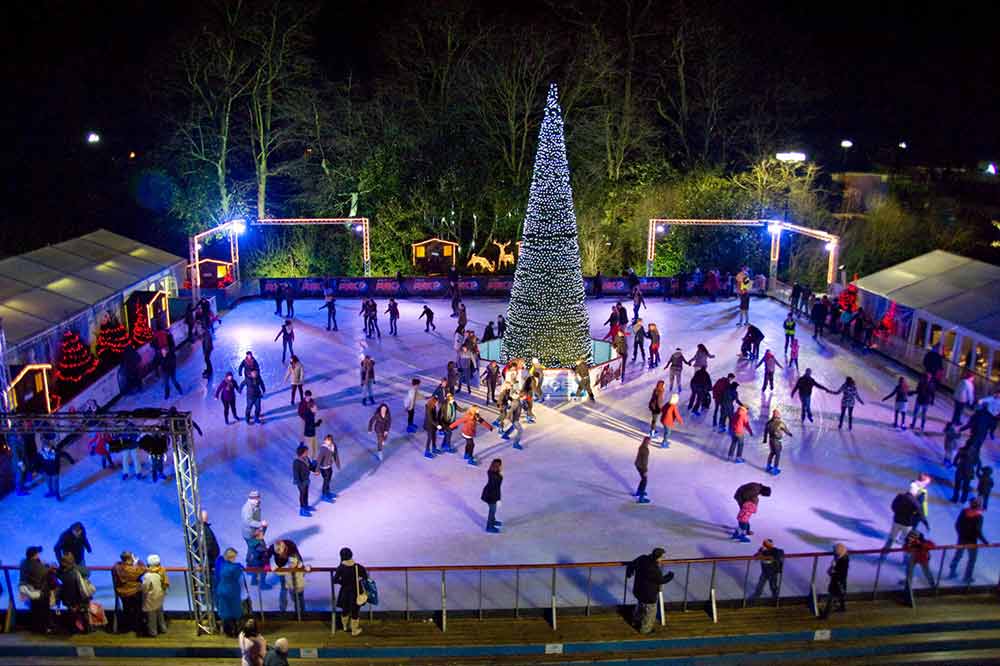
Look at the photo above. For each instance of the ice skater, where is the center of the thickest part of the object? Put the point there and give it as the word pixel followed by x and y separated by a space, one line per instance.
pixel 207 346
pixel 774 431
pixel 367 379
pixel 330 305
pixel 289 295
pixel 431 427
pixel 900 392
pixel 965 472
pixel 701 356
pixel 638 341
pixel 50 459
pixel 770 362
pixel 951 439
pixel 793 354
pixel 491 377
pixel 804 387
pixel 491 495
pixel 247 364
pixel 613 325
pixel 675 366
pixel 501 326
pixel 379 423
pixel 428 314
pixel 701 391
pixel 730 398
pixel 670 417
pixel 653 333
pixel 410 403
pixel 924 397
pixel 747 497
pixel 789 326
pixel 642 466
pixel 582 372
pixel 447 416
pixel 744 317
pixel 226 392
pixel 295 375
pixel 656 405
pixel 849 394
pixel 327 458
pixel 166 363
pixel 302 468
pixel 469 425
pixel 517 404
pixel 393 311
pixel 739 428
pixel 255 392
pixel 287 336
pixel 637 302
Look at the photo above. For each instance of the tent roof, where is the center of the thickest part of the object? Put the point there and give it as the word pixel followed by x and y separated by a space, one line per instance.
pixel 950 287
pixel 43 288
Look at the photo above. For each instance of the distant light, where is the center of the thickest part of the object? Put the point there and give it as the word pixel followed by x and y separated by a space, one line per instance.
pixel 791 157
pixel 902 145
pixel 660 228
pixel 774 228
pixel 93 137
pixel 991 168
pixel 239 225
pixel 199 246
pixel 830 246
pixel 131 154
pixel 359 228
pixel 846 143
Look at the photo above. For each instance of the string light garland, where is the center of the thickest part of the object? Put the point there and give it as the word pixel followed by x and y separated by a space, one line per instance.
pixel 112 339
pixel 141 332
pixel 546 316
pixel 76 362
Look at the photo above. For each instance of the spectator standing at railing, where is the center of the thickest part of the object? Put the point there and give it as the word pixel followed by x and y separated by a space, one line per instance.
pixel 155 584
pixel 771 564
pixel 918 553
pixel 228 591
pixel 649 578
pixel 837 589
pixel 35 584
pixel 250 516
pixel 126 574
pixel 349 576
pixel 285 554
pixel 75 592
pixel 969 529
pixel 73 540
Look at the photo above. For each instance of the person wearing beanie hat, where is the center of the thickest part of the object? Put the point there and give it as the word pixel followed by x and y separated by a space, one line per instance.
pixel 279 655
pixel 154 591
pixel 649 579
pixel 772 561
pixel 250 515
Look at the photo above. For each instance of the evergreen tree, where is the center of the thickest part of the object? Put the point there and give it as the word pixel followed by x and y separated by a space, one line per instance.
pixel 546 317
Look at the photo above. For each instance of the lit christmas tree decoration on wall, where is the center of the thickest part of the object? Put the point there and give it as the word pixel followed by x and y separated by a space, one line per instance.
pixel 76 362
pixel 141 332
pixel 546 317
pixel 112 339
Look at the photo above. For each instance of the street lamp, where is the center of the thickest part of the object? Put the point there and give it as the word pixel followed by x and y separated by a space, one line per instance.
pixel 790 157
pixel 846 144
pixel 93 137
pixel 902 145
pixel 239 225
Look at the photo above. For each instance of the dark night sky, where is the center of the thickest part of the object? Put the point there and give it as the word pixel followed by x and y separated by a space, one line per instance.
pixel 891 71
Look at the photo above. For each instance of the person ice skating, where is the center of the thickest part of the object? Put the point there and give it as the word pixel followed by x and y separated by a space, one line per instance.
pixel 951 439
pixel 501 326
pixel 744 316
pixel 373 319
pixel 228 591
pixel 466 369
pixel 772 562
pixel 837 588
pixel 984 486
pixel 537 373
pixel 295 375
pixel 393 311
pixel 50 460
pixel 793 354
pixel 491 495
pixel 447 415
pixel 770 362
pixel 979 425
pixel 701 391
pixel 410 403
pixel 900 393
pixel 582 372
pixel 207 346
pixel 255 389
pixel 250 516
pixel 638 341
pixel 755 336
pixel 226 392
pixel 649 579
pixel 613 325
pixel 747 497
pixel 789 326
pixel 718 391
pixel 653 333
pixel 350 576
pixel 155 584
pixel 637 302
pixel 166 363
pixel 670 417
pixel 489 333
pixel 491 377
pixel 463 318
pixel 965 471
pixel 849 394
pixel 328 457
pixel 701 356
pixel 73 541
pixel 907 513
pixel 964 397
pixel 469 424
pixel 642 466
pixel 367 379
pixel 247 364
pixel 127 574
pixel 287 335
pixel 431 427
pixel 774 431
pixel 918 553
pixel 302 467
pixel 819 313
pixel 427 314
pixel 656 401
pixel 454 377
pixel 730 399
pixel 804 387
pixel 285 554
pixel 379 423
pixel 330 305
pixel 739 428
pixel 517 403
pixel 289 293
pixel 969 529
pixel 675 366
pixel 621 346
pixel 924 397
pixel 308 412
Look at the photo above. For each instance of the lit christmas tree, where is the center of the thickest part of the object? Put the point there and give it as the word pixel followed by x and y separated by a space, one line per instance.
pixel 112 339
pixel 141 332
pixel 75 362
pixel 546 317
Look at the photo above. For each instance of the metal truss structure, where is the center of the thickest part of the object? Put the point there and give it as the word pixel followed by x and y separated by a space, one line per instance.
pixel 178 428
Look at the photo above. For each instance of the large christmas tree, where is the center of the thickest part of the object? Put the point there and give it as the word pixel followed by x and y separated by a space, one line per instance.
pixel 546 317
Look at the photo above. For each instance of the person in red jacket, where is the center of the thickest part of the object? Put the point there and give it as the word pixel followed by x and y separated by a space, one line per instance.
pixel 918 553
pixel 740 428
pixel 670 416
pixel 469 424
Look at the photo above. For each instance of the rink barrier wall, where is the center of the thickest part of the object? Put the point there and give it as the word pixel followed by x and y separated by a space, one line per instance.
pixel 551 607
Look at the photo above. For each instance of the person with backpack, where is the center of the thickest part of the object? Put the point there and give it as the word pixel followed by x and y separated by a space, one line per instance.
pixel 718 391
pixel 772 562
pixel 649 579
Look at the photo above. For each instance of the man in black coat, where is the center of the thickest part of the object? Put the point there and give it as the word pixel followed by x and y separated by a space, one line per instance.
pixel 302 466
pixel 771 564
pixel 649 578
pixel 969 529
pixel 965 471
pixel 73 541
pixel 818 315
pixel 838 580
pixel 907 513
pixel 804 387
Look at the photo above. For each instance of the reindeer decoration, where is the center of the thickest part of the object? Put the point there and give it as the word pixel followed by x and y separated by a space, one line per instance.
pixel 482 263
pixel 505 256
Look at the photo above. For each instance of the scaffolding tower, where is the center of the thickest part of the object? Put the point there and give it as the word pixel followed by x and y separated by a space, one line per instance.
pixel 178 428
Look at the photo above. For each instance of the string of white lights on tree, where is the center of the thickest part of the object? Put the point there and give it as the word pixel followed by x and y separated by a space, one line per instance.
pixel 546 316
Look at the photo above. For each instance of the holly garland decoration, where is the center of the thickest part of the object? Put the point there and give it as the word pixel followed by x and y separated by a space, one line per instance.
pixel 75 363
pixel 141 332
pixel 112 340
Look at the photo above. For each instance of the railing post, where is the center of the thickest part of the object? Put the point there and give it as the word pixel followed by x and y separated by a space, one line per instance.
pixel 517 593
pixel 260 599
pixel 444 603
pixel 687 579
pixel 333 607
pixel 663 612
pixel 812 587
pixel 480 594
pixel 8 623
pixel 777 598
pixel 937 581
pixel 878 572
pixel 590 577
pixel 295 596
pixel 711 594
pixel 746 579
pixel 625 588
pixel 553 598
pixel 406 591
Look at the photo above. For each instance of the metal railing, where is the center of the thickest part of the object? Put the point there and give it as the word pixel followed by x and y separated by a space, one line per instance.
pixel 536 586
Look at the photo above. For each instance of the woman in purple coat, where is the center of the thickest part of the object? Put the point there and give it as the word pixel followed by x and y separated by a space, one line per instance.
pixel 226 391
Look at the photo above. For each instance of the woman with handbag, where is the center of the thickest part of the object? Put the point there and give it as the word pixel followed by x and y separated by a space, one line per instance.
pixel 352 595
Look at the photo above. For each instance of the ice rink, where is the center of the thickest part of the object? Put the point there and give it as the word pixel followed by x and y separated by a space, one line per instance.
pixel 566 496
